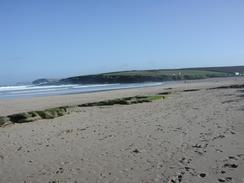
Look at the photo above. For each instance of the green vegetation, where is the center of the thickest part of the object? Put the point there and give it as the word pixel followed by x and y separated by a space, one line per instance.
pixel 167 74
pixel 143 76
pixel 61 111
pixel 53 112
pixel 37 115
pixel 4 120
pixel 155 97
pixel 165 93
pixel 124 101
pixel 137 76
pixel 191 90
pixel 235 86
pixel 176 72
pixel 226 69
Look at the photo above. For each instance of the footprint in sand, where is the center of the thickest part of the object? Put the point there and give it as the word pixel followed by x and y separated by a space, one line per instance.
pixel 202 175
pixel 227 179
pixel 229 165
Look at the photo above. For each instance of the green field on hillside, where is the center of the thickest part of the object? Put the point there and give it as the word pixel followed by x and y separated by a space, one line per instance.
pixel 156 73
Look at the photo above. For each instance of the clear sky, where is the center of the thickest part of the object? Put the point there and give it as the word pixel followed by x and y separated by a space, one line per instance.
pixel 60 38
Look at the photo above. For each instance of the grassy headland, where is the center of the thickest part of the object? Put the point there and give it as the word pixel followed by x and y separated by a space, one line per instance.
pixel 155 75
pixel 143 76
pixel 137 76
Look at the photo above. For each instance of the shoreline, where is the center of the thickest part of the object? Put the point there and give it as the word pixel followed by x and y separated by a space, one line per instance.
pixel 12 106
pixel 58 90
pixel 55 112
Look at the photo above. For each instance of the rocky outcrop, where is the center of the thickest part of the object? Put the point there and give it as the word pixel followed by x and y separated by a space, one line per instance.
pixel 44 81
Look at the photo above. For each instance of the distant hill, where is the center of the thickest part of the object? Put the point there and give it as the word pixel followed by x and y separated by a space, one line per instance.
pixel 137 76
pixel 44 81
pixel 230 69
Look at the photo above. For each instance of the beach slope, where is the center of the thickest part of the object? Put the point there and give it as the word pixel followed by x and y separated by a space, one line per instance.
pixel 194 134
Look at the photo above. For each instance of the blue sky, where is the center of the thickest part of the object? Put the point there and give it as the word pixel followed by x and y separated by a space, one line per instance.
pixel 60 38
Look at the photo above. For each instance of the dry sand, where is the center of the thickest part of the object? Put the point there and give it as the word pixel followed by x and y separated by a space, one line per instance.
pixel 190 137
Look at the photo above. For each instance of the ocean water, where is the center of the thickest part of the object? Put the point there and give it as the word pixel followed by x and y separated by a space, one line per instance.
pixel 27 91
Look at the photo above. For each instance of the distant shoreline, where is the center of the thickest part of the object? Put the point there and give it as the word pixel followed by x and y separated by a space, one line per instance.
pixel 18 92
pixel 24 104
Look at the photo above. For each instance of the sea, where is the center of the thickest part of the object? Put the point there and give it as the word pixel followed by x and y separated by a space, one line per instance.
pixel 28 91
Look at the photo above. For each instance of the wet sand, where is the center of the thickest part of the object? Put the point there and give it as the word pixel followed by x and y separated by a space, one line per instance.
pixel 194 136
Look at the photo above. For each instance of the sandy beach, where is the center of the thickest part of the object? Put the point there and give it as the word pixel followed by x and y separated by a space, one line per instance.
pixel 189 137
